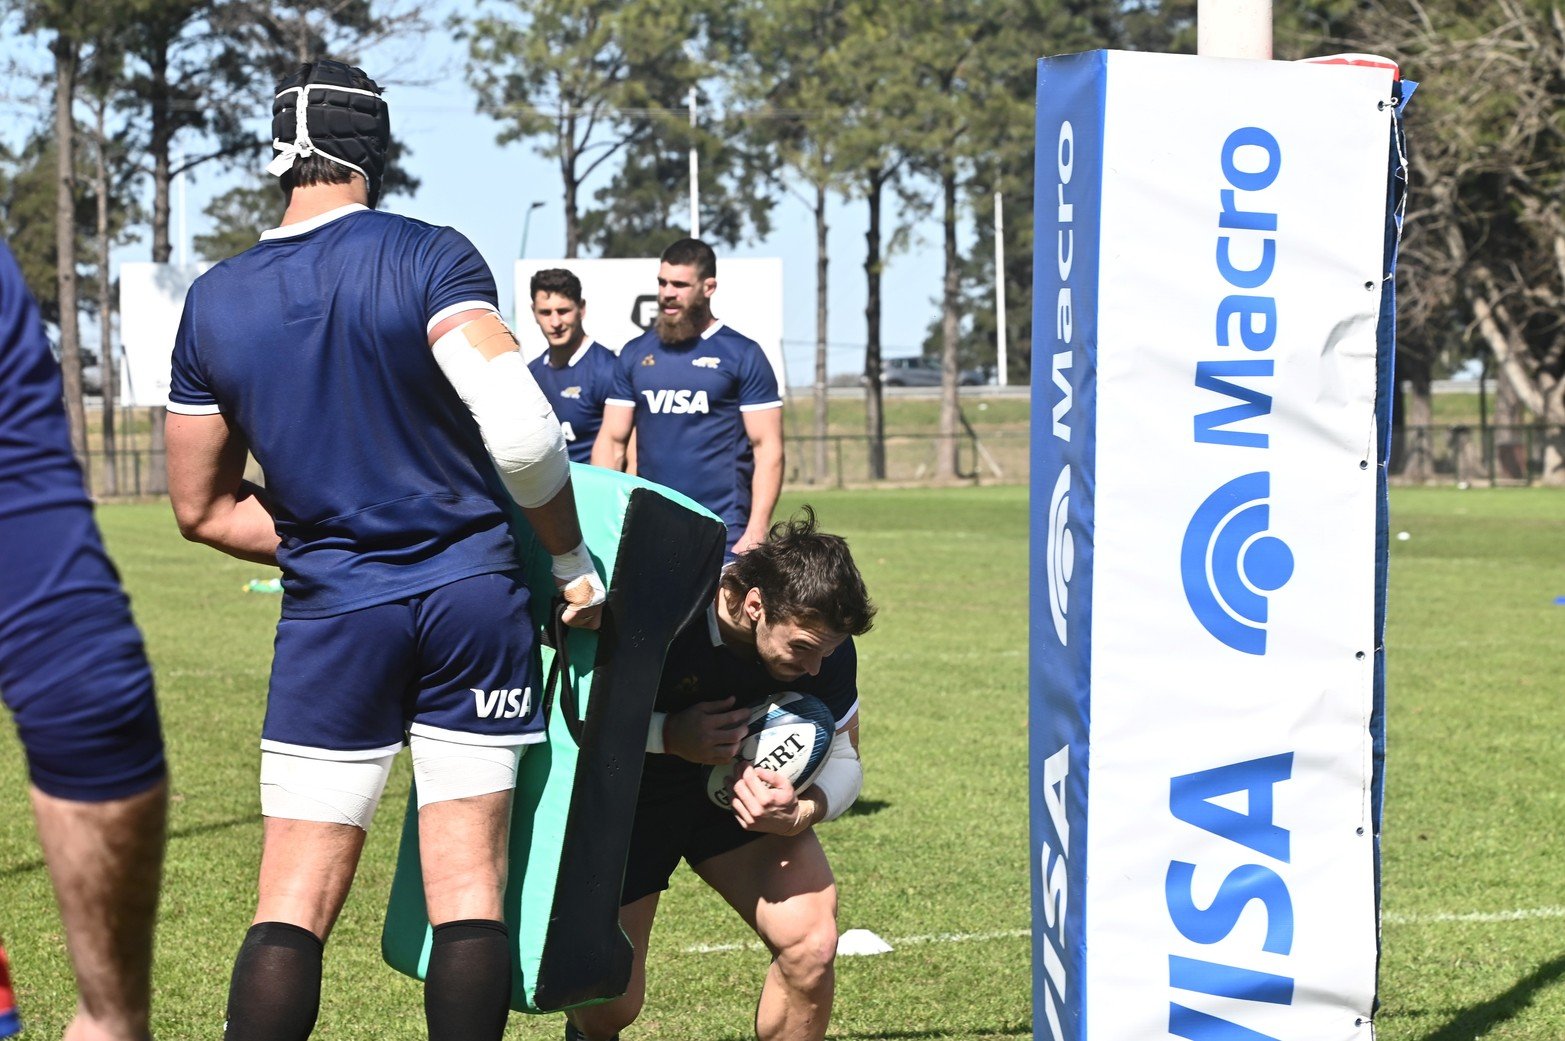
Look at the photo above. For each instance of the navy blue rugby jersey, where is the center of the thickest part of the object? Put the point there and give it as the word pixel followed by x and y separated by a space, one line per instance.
pixel 57 586
pixel 700 667
pixel 577 392
pixel 314 342
pixel 689 399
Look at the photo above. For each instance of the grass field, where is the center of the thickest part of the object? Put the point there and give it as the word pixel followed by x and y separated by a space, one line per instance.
pixel 935 857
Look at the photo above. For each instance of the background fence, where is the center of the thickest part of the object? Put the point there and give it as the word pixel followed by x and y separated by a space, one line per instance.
pixel 986 453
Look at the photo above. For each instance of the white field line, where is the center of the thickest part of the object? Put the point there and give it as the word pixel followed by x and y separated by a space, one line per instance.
pixel 1517 915
pixel 894 941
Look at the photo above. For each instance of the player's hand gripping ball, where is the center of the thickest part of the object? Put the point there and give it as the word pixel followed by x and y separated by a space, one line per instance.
pixel 790 734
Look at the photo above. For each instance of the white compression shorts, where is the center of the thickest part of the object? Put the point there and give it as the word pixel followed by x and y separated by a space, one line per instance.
pixel 337 791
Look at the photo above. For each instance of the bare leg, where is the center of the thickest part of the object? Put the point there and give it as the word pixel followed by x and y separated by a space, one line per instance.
pixel 306 870
pixel 601 1022
pixel 463 844
pixel 783 888
pixel 106 862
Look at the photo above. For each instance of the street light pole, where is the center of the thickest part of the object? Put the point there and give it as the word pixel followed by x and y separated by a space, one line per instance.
pixel 526 224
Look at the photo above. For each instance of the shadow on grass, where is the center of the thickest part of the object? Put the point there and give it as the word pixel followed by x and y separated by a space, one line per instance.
pixel 36 864
pixel 909 1035
pixel 866 808
pixel 1482 1018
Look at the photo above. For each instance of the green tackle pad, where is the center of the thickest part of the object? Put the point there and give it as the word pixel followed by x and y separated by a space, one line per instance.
pixel 659 554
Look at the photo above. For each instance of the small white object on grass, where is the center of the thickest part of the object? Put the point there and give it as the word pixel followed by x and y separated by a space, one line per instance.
pixel 856 942
pixel 1403 536
pixel 1462 485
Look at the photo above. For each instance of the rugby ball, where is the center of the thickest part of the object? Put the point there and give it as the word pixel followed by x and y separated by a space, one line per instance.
pixel 790 734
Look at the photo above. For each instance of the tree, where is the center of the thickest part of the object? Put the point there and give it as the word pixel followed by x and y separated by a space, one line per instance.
pixel 603 84
pixel 1484 231
pixel 795 86
pixel 565 71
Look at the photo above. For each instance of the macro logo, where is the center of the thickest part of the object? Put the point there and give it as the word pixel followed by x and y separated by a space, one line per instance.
pixel 1230 563
pixel 1060 553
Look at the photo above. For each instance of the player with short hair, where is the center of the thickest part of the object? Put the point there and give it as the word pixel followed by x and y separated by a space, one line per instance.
pixel 74 674
pixel 575 372
pixel 360 356
pixel 703 402
pixel 784 618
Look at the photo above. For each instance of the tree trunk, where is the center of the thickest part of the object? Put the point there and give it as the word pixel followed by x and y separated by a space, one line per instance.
pixel 568 175
pixel 105 306
pixel 160 139
pixel 64 50
pixel 1412 444
pixel 818 471
pixel 874 413
pixel 946 457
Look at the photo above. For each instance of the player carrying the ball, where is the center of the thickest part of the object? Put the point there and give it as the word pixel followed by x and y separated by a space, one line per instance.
pixel 784 619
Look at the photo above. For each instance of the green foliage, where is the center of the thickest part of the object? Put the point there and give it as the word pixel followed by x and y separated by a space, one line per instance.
pixel 603 84
pixel 238 217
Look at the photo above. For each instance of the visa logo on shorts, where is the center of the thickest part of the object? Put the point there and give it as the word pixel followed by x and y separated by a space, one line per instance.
pixel 503 704
pixel 676 402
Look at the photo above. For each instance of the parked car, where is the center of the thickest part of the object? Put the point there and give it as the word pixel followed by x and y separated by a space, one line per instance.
pixel 915 371
pixel 919 371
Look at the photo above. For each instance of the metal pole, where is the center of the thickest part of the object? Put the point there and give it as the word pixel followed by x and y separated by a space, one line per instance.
pixel 1234 29
pixel 527 223
pixel 999 288
pixel 695 179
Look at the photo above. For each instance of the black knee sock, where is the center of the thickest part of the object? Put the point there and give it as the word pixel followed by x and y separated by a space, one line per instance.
pixel 467 991
pixel 275 993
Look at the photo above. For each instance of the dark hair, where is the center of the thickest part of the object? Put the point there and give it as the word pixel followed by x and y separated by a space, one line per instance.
pixel 312 170
pixel 555 280
pixel 804 575
pixel 693 253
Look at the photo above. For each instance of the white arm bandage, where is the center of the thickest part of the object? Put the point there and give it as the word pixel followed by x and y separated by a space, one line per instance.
pixel 841 776
pixel 578 577
pixel 518 425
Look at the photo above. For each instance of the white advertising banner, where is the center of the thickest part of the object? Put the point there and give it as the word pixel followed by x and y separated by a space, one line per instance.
pixel 621 298
pixel 1211 262
pixel 152 297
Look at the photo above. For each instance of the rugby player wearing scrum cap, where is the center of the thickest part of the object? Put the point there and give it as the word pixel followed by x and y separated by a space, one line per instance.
pixel 360 356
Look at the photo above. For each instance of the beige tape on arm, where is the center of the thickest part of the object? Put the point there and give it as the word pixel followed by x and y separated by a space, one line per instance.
pixel 489 336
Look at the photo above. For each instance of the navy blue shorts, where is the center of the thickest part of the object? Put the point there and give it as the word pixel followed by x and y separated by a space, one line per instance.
pixel 675 821
pixel 458 662
pixel 72 668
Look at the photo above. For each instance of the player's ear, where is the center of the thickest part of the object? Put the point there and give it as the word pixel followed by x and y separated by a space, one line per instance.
pixel 709 286
pixel 753 607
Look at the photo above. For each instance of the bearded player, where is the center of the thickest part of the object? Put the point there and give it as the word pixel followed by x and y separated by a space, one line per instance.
pixel 576 372
pixel 360 356
pixel 784 618
pixel 703 402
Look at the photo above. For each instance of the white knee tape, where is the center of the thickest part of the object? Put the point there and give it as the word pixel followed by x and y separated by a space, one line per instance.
pixel 328 790
pixel 447 770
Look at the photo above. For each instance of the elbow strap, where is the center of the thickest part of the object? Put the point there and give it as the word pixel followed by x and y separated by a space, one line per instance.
pixel 517 423
pixel 841 776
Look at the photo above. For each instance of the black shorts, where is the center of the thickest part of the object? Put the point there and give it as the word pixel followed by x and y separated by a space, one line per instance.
pixel 674 820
